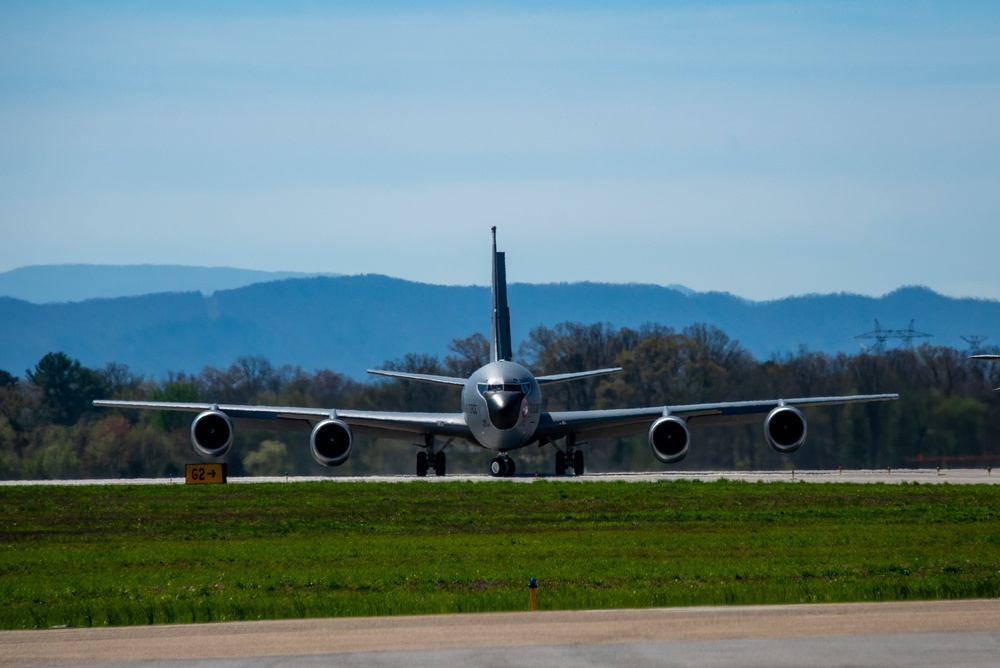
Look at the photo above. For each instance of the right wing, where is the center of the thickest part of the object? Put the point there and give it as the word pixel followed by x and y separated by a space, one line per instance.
pixel 378 424
pixel 421 377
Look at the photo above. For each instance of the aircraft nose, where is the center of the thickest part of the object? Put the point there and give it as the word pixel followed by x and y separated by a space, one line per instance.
pixel 505 409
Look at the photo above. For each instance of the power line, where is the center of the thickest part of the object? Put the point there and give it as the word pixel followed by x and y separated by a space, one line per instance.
pixel 881 336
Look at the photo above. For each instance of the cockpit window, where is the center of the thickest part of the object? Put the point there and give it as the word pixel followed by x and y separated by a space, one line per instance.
pixel 503 387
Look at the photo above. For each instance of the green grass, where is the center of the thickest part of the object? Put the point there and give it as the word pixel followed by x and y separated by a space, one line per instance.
pixel 116 555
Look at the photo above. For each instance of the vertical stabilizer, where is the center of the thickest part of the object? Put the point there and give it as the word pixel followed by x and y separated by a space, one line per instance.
pixel 500 338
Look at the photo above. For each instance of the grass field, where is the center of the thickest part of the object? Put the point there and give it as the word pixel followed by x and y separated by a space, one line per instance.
pixel 116 555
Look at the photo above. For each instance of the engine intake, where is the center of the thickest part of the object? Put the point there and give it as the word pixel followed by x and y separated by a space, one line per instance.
pixel 669 439
pixel 785 429
pixel 330 442
pixel 212 433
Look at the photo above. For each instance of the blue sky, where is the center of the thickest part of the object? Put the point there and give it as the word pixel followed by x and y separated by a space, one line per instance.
pixel 764 149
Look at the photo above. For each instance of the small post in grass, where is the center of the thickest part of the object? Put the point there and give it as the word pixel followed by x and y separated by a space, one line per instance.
pixel 532 587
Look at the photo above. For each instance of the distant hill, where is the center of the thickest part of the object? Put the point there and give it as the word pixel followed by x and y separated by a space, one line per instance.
pixel 351 323
pixel 46 284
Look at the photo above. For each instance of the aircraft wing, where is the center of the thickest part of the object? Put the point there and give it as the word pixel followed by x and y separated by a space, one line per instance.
pixel 620 422
pixel 378 424
pixel 421 377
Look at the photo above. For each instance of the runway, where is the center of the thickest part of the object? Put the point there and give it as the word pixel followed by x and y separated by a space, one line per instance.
pixel 885 476
pixel 933 633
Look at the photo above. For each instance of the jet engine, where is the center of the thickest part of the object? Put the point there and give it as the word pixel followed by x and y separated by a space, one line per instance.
pixel 330 442
pixel 785 429
pixel 669 439
pixel 212 433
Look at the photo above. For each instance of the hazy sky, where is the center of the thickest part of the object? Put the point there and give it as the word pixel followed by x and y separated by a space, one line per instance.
pixel 764 149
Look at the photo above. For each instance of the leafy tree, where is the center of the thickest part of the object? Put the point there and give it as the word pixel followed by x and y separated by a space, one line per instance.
pixel 7 380
pixel 10 462
pixel 67 388
pixel 410 395
pixel 332 390
pixel 470 354
pixel 177 388
pixel 947 411
pixel 121 382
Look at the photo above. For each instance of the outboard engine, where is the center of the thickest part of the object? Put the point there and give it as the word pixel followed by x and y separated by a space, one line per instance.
pixel 785 429
pixel 212 433
pixel 669 439
pixel 330 442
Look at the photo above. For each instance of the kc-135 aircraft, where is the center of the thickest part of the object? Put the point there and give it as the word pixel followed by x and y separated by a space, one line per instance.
pixel 501 411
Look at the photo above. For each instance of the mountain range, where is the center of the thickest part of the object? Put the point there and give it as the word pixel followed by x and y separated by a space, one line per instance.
pixel 352 323
pixel 42 284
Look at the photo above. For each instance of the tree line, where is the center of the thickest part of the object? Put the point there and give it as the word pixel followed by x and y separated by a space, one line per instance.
pixel 947 414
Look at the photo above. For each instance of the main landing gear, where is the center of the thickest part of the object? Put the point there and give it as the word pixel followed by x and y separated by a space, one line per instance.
pixel 502 466
pixel 570 457
pixel 429 459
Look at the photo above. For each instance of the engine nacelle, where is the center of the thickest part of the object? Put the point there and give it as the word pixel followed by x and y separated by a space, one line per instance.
pixel 330 442
pixel 669 439
pixel 785 429
pixel 212 433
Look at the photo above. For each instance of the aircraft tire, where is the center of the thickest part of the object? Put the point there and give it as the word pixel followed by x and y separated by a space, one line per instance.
pixel 498 467
pixel 422 464
pixel 578 462
pixel 440 464
pixel 560 462
pixel 511 467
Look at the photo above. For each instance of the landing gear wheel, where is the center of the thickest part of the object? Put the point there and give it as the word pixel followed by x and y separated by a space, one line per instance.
pixel 560 462
pixel 510 468
pixel 578 462
pixel 422 464
pixel 498 467
pixel 439 464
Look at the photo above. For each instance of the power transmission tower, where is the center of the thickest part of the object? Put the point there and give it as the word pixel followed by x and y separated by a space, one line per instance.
pixel 975 342
pixel 882 335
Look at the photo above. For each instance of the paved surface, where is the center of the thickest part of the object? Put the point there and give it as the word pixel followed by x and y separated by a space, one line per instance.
pixel 934 633
pixel 890 476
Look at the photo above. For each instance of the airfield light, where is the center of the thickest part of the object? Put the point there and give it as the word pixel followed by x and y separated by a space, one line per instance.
pixel 532 587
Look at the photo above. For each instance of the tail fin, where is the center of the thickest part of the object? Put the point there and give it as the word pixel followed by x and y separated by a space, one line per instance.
pixel 500 348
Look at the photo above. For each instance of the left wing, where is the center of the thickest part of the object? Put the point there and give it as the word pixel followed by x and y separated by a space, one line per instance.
pixel 379 424
pixel 620 422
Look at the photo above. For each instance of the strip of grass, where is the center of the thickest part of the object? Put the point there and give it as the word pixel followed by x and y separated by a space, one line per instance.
pixel 117 555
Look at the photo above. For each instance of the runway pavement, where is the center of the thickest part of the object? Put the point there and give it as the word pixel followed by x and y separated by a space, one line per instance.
pixel 887 476
pixel 932 633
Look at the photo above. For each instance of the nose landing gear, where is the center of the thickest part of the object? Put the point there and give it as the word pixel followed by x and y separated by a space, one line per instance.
pixel 502 466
